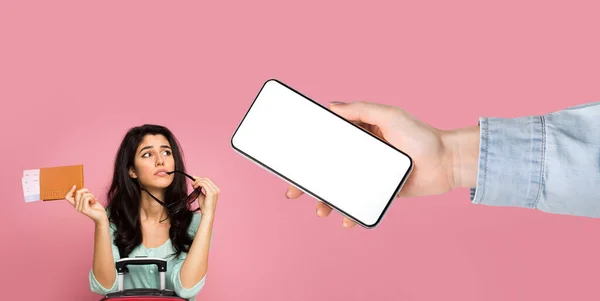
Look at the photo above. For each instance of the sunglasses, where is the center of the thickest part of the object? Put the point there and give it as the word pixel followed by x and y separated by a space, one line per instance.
pixel 191 198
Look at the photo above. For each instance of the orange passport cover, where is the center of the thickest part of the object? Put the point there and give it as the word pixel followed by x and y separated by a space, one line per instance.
pixel 55 182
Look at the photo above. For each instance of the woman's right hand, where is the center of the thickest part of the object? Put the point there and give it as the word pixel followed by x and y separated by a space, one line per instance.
pixel 85 202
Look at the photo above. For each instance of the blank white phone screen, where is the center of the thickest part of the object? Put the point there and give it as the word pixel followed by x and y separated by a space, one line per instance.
pixel 321 153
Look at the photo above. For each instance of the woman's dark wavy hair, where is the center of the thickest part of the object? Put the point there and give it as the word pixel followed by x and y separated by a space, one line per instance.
pixel 124 194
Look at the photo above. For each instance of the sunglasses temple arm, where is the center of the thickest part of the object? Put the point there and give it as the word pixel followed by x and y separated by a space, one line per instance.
pixel 185 174
pixel 159 201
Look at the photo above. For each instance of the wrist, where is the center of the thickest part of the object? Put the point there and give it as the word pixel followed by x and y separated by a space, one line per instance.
pixel 462 146
pixel 208 215
pixel 102 222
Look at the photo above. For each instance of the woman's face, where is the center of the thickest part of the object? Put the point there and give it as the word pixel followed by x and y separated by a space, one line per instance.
pixel 153 158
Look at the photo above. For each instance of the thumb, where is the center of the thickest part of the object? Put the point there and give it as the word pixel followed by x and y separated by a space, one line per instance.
pixel 367 112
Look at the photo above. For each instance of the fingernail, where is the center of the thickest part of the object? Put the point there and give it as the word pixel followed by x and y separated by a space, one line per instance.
pixel 287 194
pixel 336 103
pixel 319 212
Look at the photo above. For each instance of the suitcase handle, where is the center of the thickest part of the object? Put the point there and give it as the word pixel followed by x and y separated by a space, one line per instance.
pixel 124 262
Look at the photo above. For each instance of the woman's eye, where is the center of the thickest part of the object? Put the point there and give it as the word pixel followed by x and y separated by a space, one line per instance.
pixel 167 153
pixel 146 155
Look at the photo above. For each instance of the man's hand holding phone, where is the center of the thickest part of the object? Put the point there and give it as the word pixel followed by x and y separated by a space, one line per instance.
pixel 443 160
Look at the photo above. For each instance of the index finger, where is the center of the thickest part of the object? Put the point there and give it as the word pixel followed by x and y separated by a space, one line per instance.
pixel 69 196
pixel 363 111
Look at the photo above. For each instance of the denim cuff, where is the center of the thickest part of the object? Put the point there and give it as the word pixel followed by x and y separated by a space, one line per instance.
pixel 511 157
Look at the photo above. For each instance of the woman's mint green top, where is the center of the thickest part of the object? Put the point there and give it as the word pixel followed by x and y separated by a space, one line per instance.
pixel 147 276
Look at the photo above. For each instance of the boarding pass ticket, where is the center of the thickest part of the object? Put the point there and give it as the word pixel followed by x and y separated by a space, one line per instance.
pixel 31 185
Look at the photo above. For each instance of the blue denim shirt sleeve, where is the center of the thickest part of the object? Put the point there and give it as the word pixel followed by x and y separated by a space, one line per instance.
pixel 549 162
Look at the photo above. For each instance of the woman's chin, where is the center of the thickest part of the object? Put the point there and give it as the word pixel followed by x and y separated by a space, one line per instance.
pixel 162 185
pixel 159 184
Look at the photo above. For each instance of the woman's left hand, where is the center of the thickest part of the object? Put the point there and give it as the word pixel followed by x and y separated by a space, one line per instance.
pixel 207 201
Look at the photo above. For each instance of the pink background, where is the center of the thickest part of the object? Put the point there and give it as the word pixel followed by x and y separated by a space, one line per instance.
pixel 75 75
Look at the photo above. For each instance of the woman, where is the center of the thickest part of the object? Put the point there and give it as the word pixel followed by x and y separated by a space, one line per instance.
pixel 148 215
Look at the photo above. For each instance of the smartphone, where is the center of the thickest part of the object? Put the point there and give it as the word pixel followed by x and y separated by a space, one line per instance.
pixel 321 153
